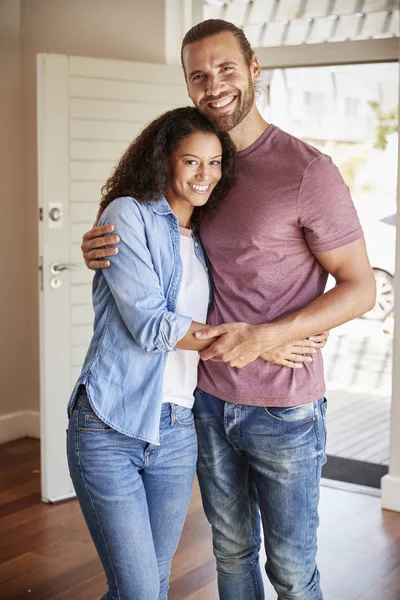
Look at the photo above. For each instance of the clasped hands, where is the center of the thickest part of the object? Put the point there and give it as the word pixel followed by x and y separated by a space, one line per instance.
pixel 239 344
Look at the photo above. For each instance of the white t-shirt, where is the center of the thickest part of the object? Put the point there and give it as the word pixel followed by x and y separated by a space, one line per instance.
pixel 180 375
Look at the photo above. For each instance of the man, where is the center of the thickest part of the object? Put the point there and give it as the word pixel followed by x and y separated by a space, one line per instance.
pixel 287 223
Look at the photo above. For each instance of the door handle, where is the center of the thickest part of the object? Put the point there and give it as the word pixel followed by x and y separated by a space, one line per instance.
pixel 56 268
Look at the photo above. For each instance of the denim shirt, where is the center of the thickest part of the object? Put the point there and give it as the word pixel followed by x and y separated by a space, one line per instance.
pixel 135 325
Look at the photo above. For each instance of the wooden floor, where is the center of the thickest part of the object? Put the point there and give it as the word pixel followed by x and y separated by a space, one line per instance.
pixel 46 553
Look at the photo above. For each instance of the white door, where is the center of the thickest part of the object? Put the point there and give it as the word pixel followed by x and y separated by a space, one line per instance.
pixel 89 110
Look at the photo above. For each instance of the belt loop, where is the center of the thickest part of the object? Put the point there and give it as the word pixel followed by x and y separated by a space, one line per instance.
pixel 173 416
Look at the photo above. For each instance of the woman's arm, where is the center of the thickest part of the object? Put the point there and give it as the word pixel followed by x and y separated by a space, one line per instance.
pixel 189 342
pixel 135 284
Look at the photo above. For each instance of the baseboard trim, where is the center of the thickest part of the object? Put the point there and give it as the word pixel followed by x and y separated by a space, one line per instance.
pixel 24 423
pixel 391 492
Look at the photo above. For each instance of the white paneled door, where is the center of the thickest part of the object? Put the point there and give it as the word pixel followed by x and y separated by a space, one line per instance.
pixel 89 110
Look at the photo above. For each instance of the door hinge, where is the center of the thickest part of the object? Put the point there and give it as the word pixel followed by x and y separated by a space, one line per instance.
pixel 41 275
pixel 40 214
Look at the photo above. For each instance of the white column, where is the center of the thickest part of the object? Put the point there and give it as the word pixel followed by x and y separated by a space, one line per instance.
pixel 180 16
pixel 391 481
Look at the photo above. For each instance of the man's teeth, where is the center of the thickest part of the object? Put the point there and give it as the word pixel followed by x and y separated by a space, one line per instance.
pixel 222 103
pixel 199 188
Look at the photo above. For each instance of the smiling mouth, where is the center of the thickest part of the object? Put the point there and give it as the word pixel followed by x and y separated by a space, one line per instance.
pixel 200 189
pixel 222 103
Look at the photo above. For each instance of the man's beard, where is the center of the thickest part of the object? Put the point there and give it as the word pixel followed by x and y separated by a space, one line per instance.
pixel 228 122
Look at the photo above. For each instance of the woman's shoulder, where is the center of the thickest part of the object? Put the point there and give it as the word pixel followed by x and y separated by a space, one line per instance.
pixel 122 208
pixel 122 203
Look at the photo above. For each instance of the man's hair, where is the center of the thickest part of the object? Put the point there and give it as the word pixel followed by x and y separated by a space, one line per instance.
pixel 212 27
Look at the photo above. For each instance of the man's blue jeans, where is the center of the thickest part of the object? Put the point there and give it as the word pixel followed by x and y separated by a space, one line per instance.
pixel 256 460
pixel 134 496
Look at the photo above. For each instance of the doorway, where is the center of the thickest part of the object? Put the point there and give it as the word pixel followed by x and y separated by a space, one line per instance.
pixel 350 113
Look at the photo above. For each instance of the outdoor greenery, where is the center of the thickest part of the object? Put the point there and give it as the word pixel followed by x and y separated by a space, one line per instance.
pixel 387 124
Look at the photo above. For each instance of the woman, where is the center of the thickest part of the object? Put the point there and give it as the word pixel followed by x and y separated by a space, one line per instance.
pixel 131 440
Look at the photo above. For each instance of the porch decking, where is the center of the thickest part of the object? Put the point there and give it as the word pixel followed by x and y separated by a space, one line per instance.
pixel 358 370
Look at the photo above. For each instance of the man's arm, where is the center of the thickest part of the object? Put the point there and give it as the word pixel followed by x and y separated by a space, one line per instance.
pixel 240 343
pixel 98 243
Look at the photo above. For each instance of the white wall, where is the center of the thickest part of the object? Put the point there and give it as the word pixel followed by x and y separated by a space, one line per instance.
pixel 12 285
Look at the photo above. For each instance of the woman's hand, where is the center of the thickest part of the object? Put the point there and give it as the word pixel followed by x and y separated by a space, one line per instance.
pixel 295 355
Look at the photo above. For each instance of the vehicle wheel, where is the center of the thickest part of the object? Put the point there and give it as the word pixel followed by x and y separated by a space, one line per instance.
pixel 384 296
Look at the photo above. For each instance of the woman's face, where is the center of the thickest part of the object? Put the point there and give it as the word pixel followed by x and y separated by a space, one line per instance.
pixel 195 169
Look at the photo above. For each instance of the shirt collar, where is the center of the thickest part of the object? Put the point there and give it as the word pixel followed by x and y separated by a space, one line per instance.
pixel 160 207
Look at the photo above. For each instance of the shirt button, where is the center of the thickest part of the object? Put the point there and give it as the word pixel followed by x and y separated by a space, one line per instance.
pixel 207 269
pixel 196 244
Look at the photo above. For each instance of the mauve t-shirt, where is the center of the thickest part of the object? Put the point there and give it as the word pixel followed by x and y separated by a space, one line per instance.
pixel 289 201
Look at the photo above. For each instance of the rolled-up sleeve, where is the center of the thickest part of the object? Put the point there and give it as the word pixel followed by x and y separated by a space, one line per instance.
pixel 135 285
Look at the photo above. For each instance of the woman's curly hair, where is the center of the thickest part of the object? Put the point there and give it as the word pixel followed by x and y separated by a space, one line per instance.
pixel 144 173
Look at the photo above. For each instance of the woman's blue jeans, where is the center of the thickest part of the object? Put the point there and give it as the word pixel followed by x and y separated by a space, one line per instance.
pixel 252 461
pixel 134 496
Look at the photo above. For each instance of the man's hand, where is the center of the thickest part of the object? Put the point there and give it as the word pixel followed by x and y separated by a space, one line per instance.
pixel 239 345
pixel 92 246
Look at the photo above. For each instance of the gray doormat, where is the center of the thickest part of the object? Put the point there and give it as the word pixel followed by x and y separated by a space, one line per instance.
pixel 354 471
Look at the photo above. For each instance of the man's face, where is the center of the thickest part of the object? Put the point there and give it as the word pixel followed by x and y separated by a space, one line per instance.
pixel 219 82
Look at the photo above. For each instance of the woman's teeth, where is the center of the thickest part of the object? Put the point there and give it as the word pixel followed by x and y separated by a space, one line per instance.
pixel 200 188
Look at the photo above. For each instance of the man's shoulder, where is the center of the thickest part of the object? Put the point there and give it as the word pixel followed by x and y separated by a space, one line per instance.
pixel 296 149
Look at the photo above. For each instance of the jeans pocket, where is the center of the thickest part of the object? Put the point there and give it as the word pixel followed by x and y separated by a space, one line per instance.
pixel 87 418
pixel 183 416
pixel 93 423
pixel 304 413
